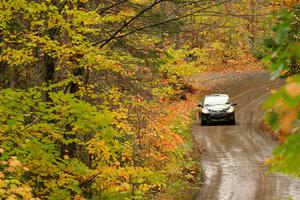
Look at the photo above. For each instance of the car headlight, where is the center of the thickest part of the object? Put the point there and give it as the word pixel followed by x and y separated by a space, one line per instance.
pixel 230 110
pixel 204 110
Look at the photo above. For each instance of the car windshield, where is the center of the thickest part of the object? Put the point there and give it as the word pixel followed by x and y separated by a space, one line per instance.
pixel 217 100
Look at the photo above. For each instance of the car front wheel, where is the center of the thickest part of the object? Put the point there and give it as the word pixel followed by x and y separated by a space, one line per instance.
pixel 203 121
pixel 232 121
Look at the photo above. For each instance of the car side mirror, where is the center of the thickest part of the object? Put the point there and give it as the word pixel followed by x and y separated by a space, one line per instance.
pixel 200 105
pixel 234 104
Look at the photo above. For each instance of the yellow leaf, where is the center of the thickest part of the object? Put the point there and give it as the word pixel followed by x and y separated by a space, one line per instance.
pixel 66 157
pixel 52 21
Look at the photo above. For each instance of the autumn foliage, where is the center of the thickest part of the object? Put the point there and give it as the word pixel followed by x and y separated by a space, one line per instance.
pixel 85 100
pixel 283 106
pixel 93 100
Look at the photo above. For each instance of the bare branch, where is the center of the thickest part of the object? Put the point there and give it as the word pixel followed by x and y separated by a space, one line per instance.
pixel 243 16
pixel 126 23
pixel 166 21
pixel 111 6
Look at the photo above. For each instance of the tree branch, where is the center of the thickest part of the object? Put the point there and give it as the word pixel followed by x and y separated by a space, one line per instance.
pixel 166 21
pixel 189 3
pixel 243 16
pixel 126 23
pixel 111 6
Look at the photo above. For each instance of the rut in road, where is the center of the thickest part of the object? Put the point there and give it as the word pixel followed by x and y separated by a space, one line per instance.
pixel 233 162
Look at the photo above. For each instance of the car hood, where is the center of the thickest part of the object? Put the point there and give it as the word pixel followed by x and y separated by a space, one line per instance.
pixel 218 108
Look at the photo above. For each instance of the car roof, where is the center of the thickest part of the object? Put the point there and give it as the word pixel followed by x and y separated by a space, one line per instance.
pixel 217 95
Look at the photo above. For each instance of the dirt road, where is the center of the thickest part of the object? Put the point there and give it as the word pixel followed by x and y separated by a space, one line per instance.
pixel 233 162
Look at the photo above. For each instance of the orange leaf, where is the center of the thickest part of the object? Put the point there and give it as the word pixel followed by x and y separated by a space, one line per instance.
pixel 293 89
pixel 287 120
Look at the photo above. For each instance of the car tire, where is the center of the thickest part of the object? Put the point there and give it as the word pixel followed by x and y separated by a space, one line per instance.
pixel 203 122
pixel 233 121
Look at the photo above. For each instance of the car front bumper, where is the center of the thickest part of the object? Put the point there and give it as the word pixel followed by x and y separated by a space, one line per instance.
pixel 218 116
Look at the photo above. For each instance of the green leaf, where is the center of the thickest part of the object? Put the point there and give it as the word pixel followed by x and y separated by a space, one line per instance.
pixel 11 122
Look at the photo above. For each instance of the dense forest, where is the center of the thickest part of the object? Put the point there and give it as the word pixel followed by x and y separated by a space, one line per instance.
pixel 94 103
